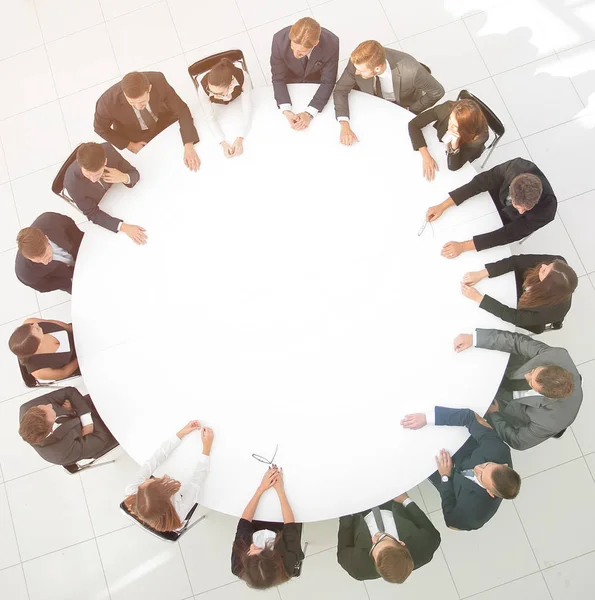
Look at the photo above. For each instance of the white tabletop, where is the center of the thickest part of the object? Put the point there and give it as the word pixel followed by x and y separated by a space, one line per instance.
pixel 284 297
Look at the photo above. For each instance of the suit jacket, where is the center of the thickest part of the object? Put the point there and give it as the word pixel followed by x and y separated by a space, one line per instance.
pixel 87 195
pixel 66 445
pixel 410 80
pixel 516 226
pixel 439 115
pixel 56 275
pixel 354 542
pixel 322 67
pixel 465 504
pixel 116 122
pixel 534 319
pixel 525 422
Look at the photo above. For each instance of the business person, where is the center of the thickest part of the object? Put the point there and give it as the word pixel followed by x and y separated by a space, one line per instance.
pixel 220 86
pixel 474 481
pixel 96 169
pixel 131 113
pixel 388 74
pixel 47 252
pixel 162 502
pixel 544 285
pixel 462 127
pixel 389 541
pixel 304 53
pixel 540 394
pixel 265 554
pixel 523 197
pixel 64 427
pixel 45 348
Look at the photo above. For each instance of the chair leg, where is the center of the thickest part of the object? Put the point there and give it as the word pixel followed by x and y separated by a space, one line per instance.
pixel 490 152
pixel 305 548
pixel 96 464
pixel 195 523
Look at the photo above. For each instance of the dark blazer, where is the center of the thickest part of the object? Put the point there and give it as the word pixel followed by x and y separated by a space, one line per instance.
pixel 322 67
pixel 56 275
pixel 465 504
pixel 354 542
pixel 87 195
pixel 496 181
pixel 66 445
pixel 116 122
pixel 534 319
pixel 439 115
pixel 413 85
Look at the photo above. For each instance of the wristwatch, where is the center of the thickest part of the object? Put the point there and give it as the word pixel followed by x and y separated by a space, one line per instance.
pixel 444 478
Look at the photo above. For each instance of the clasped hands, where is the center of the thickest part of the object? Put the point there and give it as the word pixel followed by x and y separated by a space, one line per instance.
pixel 299 121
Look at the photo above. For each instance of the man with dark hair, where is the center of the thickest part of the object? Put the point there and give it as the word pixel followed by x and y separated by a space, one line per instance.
pixel 63 427
pixel 474 481
pixel 131 113
pixel 389 541
pixel 523 197
pixel 540 394
pixel 47 253
pixel 96 169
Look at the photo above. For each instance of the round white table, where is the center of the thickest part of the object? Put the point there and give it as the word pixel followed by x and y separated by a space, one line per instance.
pixel 285 298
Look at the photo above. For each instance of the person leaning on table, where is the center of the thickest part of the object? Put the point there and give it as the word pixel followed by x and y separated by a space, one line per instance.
pixel 163 502
pixel 389 541
pixel 544 285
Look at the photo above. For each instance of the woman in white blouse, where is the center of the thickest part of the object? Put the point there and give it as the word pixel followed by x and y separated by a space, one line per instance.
pixel 223 84
pixel 163 503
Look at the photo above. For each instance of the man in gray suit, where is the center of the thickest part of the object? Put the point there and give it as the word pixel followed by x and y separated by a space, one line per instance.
pixel 540 394
pixel 388 74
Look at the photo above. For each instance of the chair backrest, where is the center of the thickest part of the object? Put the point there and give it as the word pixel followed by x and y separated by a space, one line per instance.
pixel 494 123
pixel 168 536
pixel 58 183
pixel 206 64
pixel 80 466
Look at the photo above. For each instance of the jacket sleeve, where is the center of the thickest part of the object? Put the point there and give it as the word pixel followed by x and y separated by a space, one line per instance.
pixel 92 211
pixel 102 124
pixel 182 113
pixel 341 94
pixel 79 402
pixel 522 317
pixel 89 446
pixel 418 123
pixel 467 153
pixel 512 343
pixel 519 438
pixel 488 180
pixel 464 417
pixel 328 78
pixel 279 74
pixel 124 166
pixel 427 83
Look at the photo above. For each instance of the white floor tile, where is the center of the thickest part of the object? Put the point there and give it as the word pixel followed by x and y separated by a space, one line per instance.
pixel 21 31
pixel 504 152
pixel 574 22
pixel 29 78
pixel 430 495
pixel 114 8
pixel 46 577
pixel 154 36
pixel 320 536
pixel 590 458
pixel 258 12
pixel 575 214
pixel 547 527
pixel 9 551
pixel 59 18
pixel 49 299
pixel 12 584
pixel 347 20
pixel 468 552
pixel 49 511
pixel 451 54
pixel 60 312
pixel 582 428
pixel 18 300
pixel 3 170
pixel 9 222
pixel 75 70
pixel 572 580
pixel 577 64
pixel 34 139
pixel 239 591
pixel 139 566
pixel 532 587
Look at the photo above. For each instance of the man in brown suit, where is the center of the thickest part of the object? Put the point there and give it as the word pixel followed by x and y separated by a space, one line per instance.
pixel 131 113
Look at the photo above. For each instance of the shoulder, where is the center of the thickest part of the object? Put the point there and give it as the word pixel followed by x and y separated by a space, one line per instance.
pixel 111 94
pixel 328 38
pixel 282 35
pixel 50 219
pixel 110 151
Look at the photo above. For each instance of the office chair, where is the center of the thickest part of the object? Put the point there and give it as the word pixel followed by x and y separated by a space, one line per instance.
pixel 206 64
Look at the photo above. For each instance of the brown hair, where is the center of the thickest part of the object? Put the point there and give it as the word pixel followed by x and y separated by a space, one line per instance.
pixel 507 482
pixel 556 288
pixel 305 32
pixel 91 156
pixel 394 563
pixel 471 121
pixel 22 342
pixel 369 53
pixel 135 84
pixel 262 570
pixel 525 190
pixel 152 504
pixel 34 426
pixel 221 74
pixel 32 242
pixel 554 382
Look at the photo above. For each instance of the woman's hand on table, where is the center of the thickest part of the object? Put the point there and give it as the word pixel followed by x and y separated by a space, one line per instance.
pixel 430 166
pixel 188 428
pixel 474 277
pixel 471 293
pixel 268 479
pixel 414 421
pixel 207 437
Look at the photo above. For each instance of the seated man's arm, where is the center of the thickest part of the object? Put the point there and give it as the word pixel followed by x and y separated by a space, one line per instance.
pixel 181 111
pixel 328 77
pixel 488 180
pixel 88 446
pixel 341 94
pixel 346 541
pixel 519 438
pixel 430 85
pixel 102 124
pixel 91 210
pixel 507 341
pixel 279 75
pixel 125 167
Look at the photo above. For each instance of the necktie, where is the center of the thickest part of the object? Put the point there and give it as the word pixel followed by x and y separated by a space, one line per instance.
pixel 378 87
pixel 378 519
pixel 305 61
pixel 468 473
pixel 147 118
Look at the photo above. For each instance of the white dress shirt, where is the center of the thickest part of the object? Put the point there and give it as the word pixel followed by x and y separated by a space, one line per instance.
pixel 141 121
pixel 61 254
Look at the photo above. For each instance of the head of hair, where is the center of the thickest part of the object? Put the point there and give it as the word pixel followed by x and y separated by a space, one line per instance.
pixel 556 288
pixel 262 570
pixel 221 74
pixel 471 121
pixel 394 563
pixel 507 482
pixel 305 32
pixel 22 342
pixel 34 426
pixel 369 53
pixel 152 504
pixel 525 190
pixel 32 242
pixel 135 84
pixel 91 156
pixel 554 382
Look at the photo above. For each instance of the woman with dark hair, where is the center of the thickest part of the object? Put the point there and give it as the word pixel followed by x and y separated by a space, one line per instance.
pixel 544 283
pixel 45 348
pixel 221 85
pixel 265 554
pixel 461 125
pixel 163 502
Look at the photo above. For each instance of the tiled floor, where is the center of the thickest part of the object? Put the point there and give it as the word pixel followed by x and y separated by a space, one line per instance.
pixel 62 537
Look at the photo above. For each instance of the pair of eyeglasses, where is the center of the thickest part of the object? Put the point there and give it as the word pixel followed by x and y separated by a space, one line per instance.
pixel 264 460
pixel 381 538
pixel 423 227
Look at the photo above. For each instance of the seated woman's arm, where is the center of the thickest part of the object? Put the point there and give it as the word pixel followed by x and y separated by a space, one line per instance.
pixel 285 508
pixel 246 100
pixel 209 112
pixel 419 142
pixel 268 480
pixel 466 153
pixel 54 374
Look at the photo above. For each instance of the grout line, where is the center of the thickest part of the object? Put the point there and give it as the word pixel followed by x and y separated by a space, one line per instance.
pixel 186 568
pixel 454 583
pixel 526 535
pixel 547 587
pixel 501 585
pixel 390 25
pixel 572 242
pixel 250 40
pixel 562 562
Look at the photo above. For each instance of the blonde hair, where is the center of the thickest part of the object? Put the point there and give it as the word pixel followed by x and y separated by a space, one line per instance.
pixel 305 32
pixel 369 53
